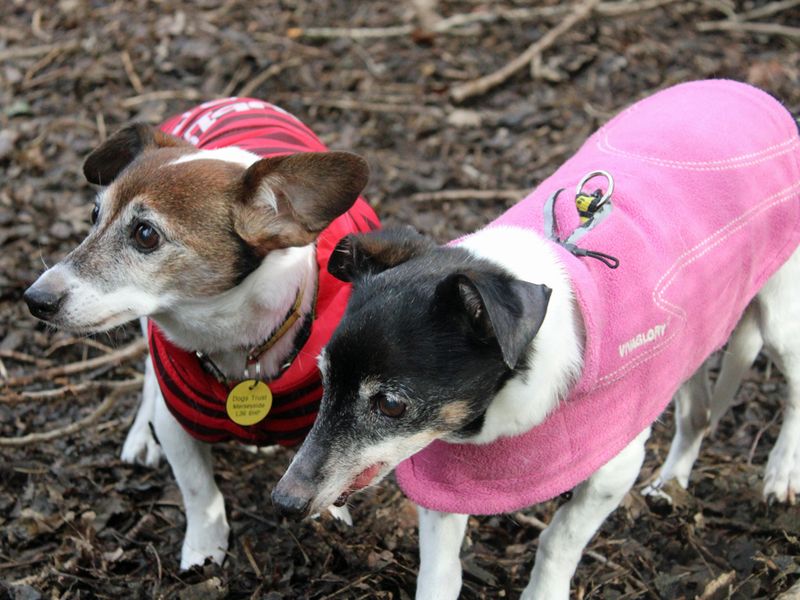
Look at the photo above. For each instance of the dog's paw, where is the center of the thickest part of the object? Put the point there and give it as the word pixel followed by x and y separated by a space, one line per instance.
pixel 658 500
pixel 211 542
pixel 782 475
pixel 194 557
pixel 141 448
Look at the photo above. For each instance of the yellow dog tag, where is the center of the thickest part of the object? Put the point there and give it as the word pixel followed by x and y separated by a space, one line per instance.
pixel 249 402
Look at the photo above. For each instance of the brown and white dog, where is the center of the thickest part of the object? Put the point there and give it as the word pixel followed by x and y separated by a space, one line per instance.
pixel 215 244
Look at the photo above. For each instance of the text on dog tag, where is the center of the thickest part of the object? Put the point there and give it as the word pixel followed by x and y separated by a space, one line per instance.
pixel 249 402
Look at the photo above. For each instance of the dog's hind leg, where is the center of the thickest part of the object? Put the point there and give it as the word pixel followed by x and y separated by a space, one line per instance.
pixel 561 544
pixel 140 446
pixel 206 524
pixel 779 302
pixel 440 537
pixel 695 414
pixel 743 348
pixel 691 421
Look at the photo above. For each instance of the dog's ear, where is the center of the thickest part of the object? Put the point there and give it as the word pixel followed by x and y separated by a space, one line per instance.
pixel 288 200
pixel 109 159
pixel 498 308
pixel 357 255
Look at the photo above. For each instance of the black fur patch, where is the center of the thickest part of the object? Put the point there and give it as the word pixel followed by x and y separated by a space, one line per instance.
pixel 403 336
pixel 247 261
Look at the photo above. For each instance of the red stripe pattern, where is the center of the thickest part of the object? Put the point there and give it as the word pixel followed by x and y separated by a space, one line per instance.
pixel 194 396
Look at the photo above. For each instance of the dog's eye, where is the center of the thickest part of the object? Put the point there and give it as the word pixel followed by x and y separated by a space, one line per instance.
pixel 145 237
pixel 389 406
pixel 95 213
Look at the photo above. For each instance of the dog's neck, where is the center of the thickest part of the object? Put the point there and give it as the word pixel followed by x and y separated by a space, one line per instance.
pixel 556 357
pixel 225 327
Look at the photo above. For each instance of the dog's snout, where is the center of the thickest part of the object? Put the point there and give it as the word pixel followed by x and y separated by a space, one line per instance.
pixel 43 303
pixel 293 494
pixel 288 504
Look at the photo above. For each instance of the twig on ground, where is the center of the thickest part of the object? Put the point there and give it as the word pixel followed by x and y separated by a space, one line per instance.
pixel 72 390
pixel 130 71
pixel 426 13
pixel 75 340
pixel 26 358
pixel 33 51
pixel 454 23
pixel 187 94
pixel 40 64
pixel 456 195
pixel 268 73
pixel 248 552
pixel 758 435
pixel 351 104
pixel 764 28
pixel 484 84
pixel 767 10
pixel 45 436
pixel 128 352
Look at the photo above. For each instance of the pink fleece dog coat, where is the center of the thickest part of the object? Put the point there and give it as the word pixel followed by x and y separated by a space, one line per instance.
pixel 705 208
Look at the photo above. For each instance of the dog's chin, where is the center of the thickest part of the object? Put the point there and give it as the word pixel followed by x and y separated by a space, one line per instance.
pixel 99 326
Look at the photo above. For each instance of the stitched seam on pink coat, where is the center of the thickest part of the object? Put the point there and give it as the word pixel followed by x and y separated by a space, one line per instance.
pixel 672 309
pixel 785 147
pixel 793 137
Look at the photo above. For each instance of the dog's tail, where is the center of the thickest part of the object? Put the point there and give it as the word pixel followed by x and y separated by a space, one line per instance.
pixel 743 347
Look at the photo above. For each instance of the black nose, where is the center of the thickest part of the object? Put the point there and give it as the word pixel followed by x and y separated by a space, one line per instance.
pixel 289 505
pixel 42 303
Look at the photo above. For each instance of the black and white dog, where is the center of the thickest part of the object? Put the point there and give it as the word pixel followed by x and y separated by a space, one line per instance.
pixel 512 366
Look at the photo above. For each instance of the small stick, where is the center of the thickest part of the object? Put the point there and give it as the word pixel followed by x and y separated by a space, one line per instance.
pixel 453 23
pixel 72 341
pixel 100 121
pixel 767 10
pixel 268 73
pixel 72 389
pixel 130 71
pixel 26 358
pixel 44 78
pixel 445 195
pixel 32 51
pixel 187 94
pixel 41 64
pixel 46 436
pixel 248 552
pixel 128 352
pixel 350 104
pixel 757 437
pixel 765 28
pixel 484 84
pixel 528 520
pixel 36 26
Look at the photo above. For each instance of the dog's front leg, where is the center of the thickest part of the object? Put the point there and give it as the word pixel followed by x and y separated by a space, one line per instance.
pixel 140 446
pixel 206 524
pixel 440 537
pixel 561 544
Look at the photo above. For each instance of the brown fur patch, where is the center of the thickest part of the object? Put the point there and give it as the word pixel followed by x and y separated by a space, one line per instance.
pixel 310 189
pixel 454 414
pixel 196 199
pixel 194 202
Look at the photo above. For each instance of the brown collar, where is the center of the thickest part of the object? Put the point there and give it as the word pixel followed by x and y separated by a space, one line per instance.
pixel 256 352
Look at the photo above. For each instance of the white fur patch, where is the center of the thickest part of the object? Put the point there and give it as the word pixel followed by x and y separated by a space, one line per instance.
pixel 526 400
pixel 87 308
pixel 230 154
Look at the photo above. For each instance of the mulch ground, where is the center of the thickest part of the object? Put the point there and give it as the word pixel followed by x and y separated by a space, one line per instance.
pixel 76 522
